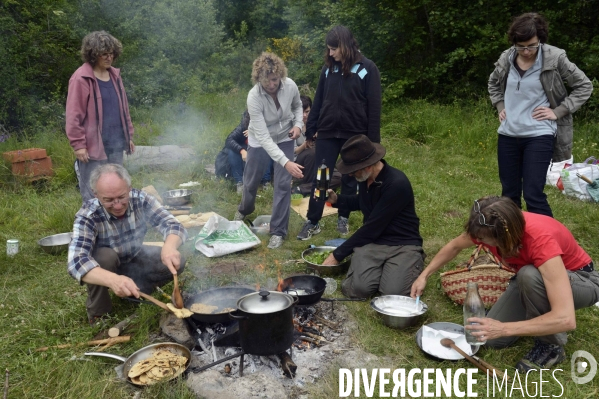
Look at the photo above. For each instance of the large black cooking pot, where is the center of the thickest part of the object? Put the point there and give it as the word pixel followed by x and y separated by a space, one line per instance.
pixel 265 322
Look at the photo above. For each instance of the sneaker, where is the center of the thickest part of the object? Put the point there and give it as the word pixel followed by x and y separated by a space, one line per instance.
pixel 343 225
pixel 275 242
pixel 541 356
pixel 266 185
pixel 239 188
pixel 238 216
pixel 308 230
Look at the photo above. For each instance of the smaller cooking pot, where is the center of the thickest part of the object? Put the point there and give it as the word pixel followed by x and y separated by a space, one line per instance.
pixel 146 353
pixel 309 289
pixel 265 322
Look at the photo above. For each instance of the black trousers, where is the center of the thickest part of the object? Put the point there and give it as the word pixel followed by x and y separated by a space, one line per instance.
pixel 329 149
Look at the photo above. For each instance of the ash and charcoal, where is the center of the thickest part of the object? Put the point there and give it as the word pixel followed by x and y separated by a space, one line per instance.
pixel 321 336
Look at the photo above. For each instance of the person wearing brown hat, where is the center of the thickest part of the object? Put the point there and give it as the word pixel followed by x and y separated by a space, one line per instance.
pixel 387 248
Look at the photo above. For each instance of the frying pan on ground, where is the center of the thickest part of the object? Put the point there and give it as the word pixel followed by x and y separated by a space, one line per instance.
pixel 224 298
pixel 309 289
pixel 148 352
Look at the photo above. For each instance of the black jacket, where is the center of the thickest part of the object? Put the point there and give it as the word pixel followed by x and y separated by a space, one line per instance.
pixel 389 212
pixel 347 106
pixel 236 141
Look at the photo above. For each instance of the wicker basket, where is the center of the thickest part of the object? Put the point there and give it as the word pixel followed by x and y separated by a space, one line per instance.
pixel 484 269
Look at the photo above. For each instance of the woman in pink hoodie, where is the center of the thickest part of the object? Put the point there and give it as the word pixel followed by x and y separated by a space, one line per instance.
pixel 98 123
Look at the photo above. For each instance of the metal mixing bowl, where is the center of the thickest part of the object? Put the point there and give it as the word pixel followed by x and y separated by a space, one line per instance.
pixel 56 243
pixel 177 197
pixel 398 311
pixel 326 270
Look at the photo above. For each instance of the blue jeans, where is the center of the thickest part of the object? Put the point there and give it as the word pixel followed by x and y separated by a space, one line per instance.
pixel 237 165
pixel 523 164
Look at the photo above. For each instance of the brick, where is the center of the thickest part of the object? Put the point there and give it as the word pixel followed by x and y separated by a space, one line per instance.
pixel 25 155
pixel 33 168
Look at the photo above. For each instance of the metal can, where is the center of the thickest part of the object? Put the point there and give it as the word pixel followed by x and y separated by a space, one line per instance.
pixel 12 247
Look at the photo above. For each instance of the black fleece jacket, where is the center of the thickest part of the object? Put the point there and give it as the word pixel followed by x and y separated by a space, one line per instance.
pixel 389 212
pixel 236 141
pixel 347 106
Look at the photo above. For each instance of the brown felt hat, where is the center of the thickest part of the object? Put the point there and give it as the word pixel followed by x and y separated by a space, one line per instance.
pixel 358 153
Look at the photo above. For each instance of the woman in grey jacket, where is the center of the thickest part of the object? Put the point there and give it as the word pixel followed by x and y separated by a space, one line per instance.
pixel 535 110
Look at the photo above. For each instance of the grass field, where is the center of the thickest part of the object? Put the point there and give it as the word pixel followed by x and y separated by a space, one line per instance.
pixel 448 152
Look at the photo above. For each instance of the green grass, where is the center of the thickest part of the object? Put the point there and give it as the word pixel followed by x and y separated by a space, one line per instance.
pixel 448 152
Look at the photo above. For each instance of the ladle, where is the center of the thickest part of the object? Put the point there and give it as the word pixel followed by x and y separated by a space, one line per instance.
pixel 177 297
pixel 481 364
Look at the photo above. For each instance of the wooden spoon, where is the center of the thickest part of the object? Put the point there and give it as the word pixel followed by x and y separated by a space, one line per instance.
pixel 154 301
pixel 481 364
pixel 177 297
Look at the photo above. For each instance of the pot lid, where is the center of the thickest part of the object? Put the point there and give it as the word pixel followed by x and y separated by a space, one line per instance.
pixel 264 302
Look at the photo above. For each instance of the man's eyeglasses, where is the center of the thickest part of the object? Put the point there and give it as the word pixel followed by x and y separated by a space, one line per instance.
pixel 115 201
pixel 481 218
pixel 529 48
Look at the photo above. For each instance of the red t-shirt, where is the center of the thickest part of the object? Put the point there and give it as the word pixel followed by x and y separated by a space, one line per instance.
pixel 545 238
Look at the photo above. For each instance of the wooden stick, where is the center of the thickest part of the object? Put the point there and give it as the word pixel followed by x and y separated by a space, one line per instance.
pixel 326 322
pixel 111 341
pixel 118 329
pixel 288 366
pixel 6 385
pixel 316 337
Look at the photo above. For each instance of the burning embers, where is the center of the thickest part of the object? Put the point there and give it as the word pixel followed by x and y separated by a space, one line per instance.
pixel 310 328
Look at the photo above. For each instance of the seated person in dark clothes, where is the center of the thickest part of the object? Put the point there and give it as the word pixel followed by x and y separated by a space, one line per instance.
pixel 387 248
pixel 106 250
pixel 305 155
pixel 236 146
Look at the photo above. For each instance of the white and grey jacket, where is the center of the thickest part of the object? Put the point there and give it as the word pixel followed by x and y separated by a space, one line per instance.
pixel 556 69
pixel 269 126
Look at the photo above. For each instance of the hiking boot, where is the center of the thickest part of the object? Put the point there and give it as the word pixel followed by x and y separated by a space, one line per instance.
pixel 308 230
pixel 541 356
pixel 239 188
pixel 343 225
pixel 238 216
pixel 275 242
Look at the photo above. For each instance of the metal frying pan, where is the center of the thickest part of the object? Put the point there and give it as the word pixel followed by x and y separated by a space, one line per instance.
pixel 222 297
pixel 309 289
pixel 146 353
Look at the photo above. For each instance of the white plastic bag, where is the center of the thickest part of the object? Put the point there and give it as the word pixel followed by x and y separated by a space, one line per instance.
pixel 555 169
pixel 221 237
pixel 575 186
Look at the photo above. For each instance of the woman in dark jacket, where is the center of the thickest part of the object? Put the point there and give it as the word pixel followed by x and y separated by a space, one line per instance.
pixel 347 103
pixel 98 123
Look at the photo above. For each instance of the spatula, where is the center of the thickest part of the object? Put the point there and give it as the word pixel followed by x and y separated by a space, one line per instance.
pixel 177 297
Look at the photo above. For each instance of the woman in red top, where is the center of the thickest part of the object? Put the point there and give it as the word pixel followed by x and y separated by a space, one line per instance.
pixel 554 277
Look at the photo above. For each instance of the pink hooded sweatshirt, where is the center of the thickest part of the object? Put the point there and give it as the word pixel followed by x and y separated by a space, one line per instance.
pixel 84 112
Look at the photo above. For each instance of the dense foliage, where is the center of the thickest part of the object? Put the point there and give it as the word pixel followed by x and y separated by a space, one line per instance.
pixel 439 50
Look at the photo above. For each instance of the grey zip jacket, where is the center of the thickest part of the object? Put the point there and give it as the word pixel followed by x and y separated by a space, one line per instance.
pixel 556 69
pixel 269 126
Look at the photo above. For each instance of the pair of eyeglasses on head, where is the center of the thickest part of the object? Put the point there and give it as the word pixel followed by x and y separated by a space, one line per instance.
pixel 529 48
pixel 481 218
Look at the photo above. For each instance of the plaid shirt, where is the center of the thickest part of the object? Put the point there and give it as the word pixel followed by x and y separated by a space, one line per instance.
pixel 94 227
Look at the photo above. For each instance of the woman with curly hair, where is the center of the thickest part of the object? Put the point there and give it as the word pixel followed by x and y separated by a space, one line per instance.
pixel 535 110
pixel 554 277
pixel 275 112
pixel 347 103
pixel 98 123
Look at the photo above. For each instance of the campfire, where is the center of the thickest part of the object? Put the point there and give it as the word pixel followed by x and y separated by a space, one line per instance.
pixel 314 328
